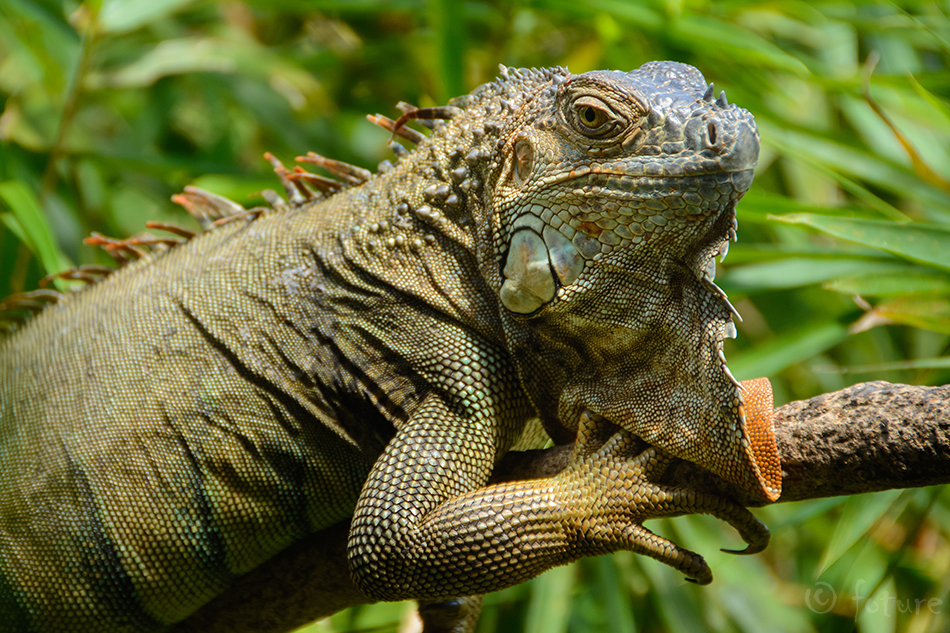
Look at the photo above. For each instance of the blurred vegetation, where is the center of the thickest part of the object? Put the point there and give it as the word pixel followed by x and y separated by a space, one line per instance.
pixel 842 271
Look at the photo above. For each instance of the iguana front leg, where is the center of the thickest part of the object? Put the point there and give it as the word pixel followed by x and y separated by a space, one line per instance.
pixel 426 527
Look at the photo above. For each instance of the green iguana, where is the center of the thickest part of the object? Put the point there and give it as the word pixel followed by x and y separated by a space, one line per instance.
pixel 372 346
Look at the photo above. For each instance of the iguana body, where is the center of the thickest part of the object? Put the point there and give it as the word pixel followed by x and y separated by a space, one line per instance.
pixel 375 352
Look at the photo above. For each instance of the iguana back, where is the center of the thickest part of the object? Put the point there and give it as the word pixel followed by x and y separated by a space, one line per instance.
pixel 196 412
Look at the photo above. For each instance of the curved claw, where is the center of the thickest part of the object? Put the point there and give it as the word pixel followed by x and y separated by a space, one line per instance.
pixel 642 541
pixel 626 476
pixel 752 531
pixel 756 542
pixel 740 552
pixel 455 615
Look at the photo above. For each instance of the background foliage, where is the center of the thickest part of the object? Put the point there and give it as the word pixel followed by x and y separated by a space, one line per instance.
pixel 842 272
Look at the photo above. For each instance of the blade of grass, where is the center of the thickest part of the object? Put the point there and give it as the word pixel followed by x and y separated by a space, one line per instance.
pixel 548 610
pixel 928 243
pixel 32 222
pixel 792 347
pixel 900 282
pixel 797 271
pixel 122 16
pixel 858 515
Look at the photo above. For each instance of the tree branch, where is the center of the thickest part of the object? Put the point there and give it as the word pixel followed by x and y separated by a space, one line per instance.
pixel 868 437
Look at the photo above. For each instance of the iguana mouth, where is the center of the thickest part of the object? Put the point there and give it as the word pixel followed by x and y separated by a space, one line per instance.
pixel 729 330
pixel 611 214
pixel 706 273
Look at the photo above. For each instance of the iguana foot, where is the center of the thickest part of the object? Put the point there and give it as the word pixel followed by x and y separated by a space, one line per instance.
pixel 495 536
pixel 458 615
pixel 617 467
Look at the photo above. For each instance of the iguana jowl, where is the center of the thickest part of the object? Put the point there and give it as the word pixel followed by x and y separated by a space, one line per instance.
pixel 372 349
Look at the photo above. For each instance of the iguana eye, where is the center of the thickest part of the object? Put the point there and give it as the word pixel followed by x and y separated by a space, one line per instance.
pixel 593 117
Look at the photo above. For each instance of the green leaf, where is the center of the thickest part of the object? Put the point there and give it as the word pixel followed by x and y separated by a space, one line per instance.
pixel 876 368
pixel 613 593
pixel 941 107
pixel 882 284
pixel 748 252
pixel 450 18
pixel 677 602
pixel 634 12
pixel 858 514
pixel 928 243
pixel 792 347
pixel 927 312
pixel 798 271
pixel 548 610
pixel 121 16
pixel 9 220
pixel 796 516
pixel 880 613
pixel 856 162
pixel 174 57
pixel 733 40
pixel 759 207
pixel 210 54
pixel 33 227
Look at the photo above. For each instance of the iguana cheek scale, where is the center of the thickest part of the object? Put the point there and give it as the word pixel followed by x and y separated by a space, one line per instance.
pixel 371 346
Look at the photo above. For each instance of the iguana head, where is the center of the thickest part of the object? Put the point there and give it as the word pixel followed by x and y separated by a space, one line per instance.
pixel 610 196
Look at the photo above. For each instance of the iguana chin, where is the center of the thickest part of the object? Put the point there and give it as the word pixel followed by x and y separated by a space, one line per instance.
pixel 372 347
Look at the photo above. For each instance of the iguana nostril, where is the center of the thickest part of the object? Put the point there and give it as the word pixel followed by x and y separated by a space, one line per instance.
pixel 712 135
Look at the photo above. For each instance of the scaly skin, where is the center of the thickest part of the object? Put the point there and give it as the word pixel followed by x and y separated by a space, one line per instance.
pixel 376 351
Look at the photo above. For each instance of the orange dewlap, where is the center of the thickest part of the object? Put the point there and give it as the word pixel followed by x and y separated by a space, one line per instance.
pixel 757 405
